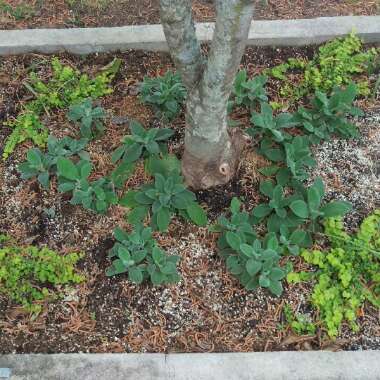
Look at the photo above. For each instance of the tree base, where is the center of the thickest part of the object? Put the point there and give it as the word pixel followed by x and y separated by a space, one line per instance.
pixel 220 168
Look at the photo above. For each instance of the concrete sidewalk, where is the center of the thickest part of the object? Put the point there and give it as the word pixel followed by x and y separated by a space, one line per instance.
pixel 318 365
pixel 151 37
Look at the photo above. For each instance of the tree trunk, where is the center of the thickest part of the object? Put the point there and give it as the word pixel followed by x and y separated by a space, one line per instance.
pixel 211 154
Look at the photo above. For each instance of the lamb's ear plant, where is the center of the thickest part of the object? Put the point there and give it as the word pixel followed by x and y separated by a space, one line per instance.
pixel 248 92
pixel 277 209
pixel 162 199
pixel 90 118
pixel 255 265
pixel 138 254
pixel 266 124
pixel 294 153
pixel 95 195
pixel 142 143
pixel 67 147
pixel 43 165
pixel 238 222
pixel 165 94
pixel 310 208
pixel 328 115
pixel 292 241
pixel 38 165
pixel 298 157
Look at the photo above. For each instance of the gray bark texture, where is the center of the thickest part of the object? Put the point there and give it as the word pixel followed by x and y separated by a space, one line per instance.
pixel 212 153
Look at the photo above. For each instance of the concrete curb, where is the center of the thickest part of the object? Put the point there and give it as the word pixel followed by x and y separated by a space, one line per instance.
pixel 317 365
pixel 151 37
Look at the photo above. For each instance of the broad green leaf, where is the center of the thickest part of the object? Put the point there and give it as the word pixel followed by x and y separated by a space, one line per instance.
pixel 235 205
pixel 247 250
pixel 266 187
pixel 136 128
pixel 197 214
pixel 168 268
pixel 283 176
pixel 128 200
pixel 264 281
pixel 120 235
pixel 313 199
pixel 117 267
pixel 164 134
pixel 43 178
pixel 124 255
pixel 276 274
pixel 253 266
pixel 336 208
pixel 163 219
pixel 67 169
pixel 275 155
pixel 135 275
pixel 133 152
pixel 276 287
pixel 300 209
pixel 65 187
pixel 233 239
pixel 34 157
pixel 262 210
pixel 158 255
pixel 297 237
pixel 138 214
pixel 142 198
pixel 269 170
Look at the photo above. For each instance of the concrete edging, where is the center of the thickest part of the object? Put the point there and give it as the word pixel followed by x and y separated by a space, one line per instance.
pixel 151 37
pixel 314 365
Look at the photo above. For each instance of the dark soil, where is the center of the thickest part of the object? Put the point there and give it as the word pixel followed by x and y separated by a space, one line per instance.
pixel 208 310
pixel 92 13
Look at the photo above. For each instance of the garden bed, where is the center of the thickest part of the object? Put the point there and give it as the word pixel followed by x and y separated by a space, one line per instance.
pixel 208 310
pixel 17 14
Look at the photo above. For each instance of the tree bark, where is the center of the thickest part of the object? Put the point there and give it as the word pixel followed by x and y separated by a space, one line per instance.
pixel 212 153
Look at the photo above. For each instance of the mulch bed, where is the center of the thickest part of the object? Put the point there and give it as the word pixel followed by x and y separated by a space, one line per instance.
pixel 92 13
pixel 208 310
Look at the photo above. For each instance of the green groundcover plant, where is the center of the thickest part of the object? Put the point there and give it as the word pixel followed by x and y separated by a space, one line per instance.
pixel 165 94
pixel 336 63
pixel 348 273
pixel 29 273
pixel 66 87
pixel 138 254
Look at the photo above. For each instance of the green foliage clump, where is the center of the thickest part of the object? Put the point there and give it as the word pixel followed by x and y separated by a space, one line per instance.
pixel 253 262
pixel 165 94
pixel 248 92
pixel 270 126
pixel 66 87
pixel 19 12
pixel 349 273
pixel 328 115
pixel 337 63
pixel 141 142
pixel 138 254
pixel 43 165
pixel 301 208
pixel 89 117
pixel 163 198
pixel 299 323
pixel 26 126
pixel 95 195
pixel 27 274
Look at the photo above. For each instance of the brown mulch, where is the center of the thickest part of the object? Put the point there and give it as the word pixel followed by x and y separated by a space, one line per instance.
pixel 207 311
pixel 92 13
